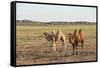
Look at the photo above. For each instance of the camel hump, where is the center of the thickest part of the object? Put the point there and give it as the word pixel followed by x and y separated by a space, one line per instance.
pixel 81 34
pixel 53 31
pixel 75 33
pixel 80 30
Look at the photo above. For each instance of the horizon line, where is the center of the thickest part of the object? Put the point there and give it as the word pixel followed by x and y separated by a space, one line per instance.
pixel 56 21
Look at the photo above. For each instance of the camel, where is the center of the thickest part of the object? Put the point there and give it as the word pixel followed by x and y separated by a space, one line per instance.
pixel 76 38
pixel 60 36
pixel 54 37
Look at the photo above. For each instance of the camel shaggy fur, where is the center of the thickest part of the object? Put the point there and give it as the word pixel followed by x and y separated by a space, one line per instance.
pixel 76 38
pixel 54 37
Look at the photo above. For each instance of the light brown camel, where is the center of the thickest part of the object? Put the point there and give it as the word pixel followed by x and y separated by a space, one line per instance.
pixel 54 37
pixel 61 36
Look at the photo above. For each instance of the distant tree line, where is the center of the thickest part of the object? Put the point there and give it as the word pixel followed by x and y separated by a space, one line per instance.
pixel 52 22
pixel 24 21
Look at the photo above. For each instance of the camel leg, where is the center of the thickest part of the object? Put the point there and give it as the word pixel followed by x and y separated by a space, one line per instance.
pixel 82 42
pixel 54 47
pixel 64 45
pixel 73 49
pixel 76 47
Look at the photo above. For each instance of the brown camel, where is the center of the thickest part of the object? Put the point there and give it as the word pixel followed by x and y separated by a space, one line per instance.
pixel 76 38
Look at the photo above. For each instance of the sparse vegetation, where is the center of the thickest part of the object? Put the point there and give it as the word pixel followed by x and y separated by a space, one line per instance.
pixel 32 48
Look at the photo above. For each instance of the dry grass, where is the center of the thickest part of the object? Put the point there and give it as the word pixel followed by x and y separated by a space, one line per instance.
pixel 32 48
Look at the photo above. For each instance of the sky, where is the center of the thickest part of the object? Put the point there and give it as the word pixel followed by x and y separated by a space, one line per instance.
pixel 43 12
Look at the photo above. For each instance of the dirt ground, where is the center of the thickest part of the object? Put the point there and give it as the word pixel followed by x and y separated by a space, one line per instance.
pixel 43 54
pixel 33 48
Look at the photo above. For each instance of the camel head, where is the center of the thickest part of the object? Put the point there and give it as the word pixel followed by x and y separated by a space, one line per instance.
pixel 47 36
pixel 71 38
pixel 45 33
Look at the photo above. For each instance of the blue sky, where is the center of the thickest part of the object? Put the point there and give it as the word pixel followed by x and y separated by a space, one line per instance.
pixel 41 12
